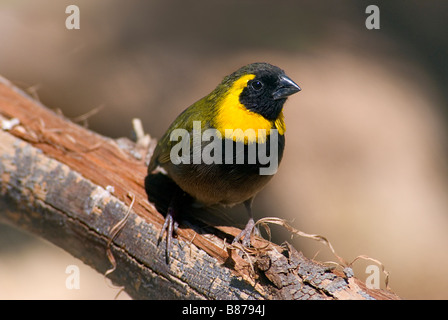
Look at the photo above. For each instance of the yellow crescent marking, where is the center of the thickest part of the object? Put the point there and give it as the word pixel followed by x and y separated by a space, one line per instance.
pixel 244 123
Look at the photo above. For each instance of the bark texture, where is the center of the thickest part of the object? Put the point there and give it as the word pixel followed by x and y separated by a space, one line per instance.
pixel 71 186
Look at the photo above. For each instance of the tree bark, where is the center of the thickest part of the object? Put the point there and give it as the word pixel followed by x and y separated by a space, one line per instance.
pixel 71 186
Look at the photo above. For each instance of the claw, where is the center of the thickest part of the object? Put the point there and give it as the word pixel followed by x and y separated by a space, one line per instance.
pixel 245 234
pixel 170 227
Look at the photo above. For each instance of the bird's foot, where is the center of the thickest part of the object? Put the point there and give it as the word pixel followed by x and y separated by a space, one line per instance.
pixel 245 234
pixel 170 226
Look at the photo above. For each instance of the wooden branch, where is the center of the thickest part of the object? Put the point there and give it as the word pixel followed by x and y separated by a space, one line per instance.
pixel 72 186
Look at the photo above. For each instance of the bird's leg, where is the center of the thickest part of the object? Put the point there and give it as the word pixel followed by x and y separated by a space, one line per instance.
pixel 245 234
pixel 170 225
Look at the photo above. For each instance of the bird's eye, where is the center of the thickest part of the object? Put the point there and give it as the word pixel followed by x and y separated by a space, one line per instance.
pixel 257 85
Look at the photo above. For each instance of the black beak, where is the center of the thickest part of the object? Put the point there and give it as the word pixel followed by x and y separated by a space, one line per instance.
pixel 286 87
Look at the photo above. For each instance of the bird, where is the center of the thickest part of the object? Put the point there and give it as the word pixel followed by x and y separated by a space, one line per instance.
pixel 213 151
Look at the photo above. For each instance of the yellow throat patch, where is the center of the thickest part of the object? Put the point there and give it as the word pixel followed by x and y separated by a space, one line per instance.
pixel 244 123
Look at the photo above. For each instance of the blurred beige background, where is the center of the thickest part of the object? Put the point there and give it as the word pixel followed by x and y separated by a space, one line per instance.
pixel 365 161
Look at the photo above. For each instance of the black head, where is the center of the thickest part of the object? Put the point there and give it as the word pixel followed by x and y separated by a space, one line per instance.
pixel 266 93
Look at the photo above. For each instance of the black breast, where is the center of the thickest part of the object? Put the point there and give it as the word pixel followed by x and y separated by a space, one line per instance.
pixel 243 170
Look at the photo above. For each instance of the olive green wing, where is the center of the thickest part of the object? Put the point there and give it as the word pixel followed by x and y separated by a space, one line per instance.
pixel 202 110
